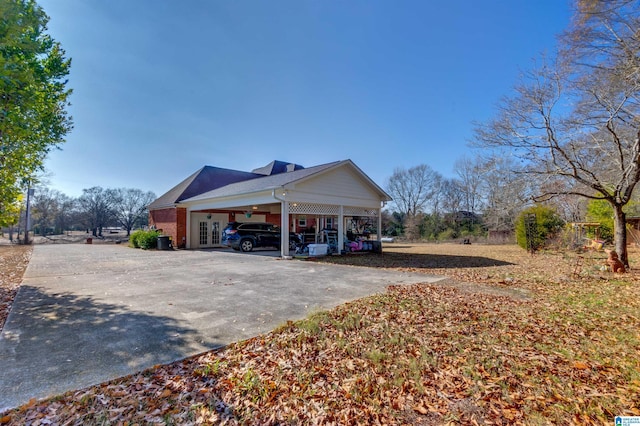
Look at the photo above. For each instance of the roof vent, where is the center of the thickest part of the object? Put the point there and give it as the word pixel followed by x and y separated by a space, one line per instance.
pixel 276 167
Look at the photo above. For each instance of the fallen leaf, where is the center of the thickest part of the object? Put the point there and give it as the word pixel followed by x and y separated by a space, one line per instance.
pixel 413 350
pixel 421 409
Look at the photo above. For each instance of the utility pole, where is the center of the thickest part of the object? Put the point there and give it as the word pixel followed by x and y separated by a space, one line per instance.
pixel 27 226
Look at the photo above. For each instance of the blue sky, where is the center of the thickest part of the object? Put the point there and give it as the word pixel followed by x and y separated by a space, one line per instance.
pixel 162 87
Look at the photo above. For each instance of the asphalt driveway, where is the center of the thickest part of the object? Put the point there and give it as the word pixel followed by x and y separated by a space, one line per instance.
pixel 89 313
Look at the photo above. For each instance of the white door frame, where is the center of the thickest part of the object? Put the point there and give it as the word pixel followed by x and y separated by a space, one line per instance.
pixel 209 220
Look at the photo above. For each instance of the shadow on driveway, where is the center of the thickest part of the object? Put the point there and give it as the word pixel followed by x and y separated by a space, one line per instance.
pixel 66 341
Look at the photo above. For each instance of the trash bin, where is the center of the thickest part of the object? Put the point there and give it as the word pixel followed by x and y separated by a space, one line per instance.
pixel 164 242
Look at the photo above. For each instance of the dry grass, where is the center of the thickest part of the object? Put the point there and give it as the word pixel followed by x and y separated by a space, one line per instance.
pixel 510 339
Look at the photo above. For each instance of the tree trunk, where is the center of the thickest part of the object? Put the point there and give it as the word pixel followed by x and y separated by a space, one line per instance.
pixel 620 234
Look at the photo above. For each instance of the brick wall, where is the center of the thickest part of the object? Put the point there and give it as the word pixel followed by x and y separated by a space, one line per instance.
pixel 165 220
pixel 181 229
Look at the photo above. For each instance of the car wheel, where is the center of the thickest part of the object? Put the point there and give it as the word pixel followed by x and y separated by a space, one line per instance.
pixel 246 245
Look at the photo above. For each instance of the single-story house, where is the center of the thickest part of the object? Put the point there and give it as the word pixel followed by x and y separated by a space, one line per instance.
pixel 335 195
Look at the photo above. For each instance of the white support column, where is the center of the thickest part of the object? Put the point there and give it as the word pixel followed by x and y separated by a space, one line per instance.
pixel 379 224
pixel 284 228
pixel 340 229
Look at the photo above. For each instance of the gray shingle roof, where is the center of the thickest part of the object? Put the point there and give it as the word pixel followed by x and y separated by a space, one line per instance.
pixel 212 182
pixel 205 179
pixel 263 183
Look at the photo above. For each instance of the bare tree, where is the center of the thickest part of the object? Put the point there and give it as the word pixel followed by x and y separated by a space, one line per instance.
pixel 130 206
pixel 576 119
pixel 95 206
pixel 45 208
pixel 452 196
pixel 505 192
pixel 412 189
pixel 64 219
pixel 570 207
pixel 470 182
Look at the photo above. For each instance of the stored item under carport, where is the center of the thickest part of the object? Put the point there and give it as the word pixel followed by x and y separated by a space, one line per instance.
pixel 318 250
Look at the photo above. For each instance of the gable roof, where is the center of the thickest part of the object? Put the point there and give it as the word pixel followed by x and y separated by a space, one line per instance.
pixel 262 183
pixel 212 182
pixel 203 180
pixel 280 180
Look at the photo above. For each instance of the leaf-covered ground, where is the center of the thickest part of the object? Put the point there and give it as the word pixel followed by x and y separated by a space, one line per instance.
pixel 509 339
pixel 13 262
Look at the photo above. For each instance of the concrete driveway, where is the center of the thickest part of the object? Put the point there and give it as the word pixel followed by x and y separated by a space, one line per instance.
pixel 89 313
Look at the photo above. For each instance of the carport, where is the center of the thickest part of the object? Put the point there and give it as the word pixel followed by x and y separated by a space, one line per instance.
pixel 332 193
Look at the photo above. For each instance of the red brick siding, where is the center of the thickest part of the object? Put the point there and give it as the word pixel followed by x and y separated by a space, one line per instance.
pixel 274 218
pixel 165 220
pixel 181 231
pixel 238 216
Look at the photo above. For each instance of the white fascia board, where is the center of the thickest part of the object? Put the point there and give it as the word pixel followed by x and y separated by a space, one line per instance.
pixel 262 197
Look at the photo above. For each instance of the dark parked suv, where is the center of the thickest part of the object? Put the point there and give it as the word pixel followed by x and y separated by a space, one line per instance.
pixel 246 236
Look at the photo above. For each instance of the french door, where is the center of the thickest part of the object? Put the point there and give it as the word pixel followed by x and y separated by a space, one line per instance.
pixel 208 233
pixel 206 229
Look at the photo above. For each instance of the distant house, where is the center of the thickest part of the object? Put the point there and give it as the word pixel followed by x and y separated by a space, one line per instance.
pixel 196 210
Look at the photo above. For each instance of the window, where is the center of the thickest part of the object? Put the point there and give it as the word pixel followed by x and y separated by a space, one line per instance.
pixel 302 221
pixel 329 223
